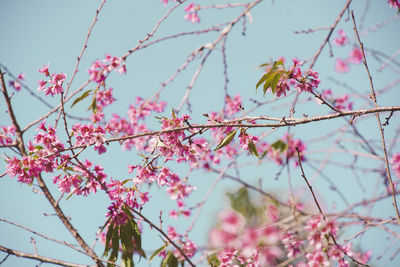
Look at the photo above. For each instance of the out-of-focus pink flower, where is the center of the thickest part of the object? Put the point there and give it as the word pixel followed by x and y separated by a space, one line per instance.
pixel 341 66
pixel 395 161
pixel 16 85
pixel 192 17
pixel 21 76
pixel 355 56
pixel 341 39
pixel 394 3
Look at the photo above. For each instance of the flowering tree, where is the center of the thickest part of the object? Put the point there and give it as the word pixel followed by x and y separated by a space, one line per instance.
pixel 328 146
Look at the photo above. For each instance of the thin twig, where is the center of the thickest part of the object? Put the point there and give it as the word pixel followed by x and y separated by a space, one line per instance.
pixel 378 119
pixel 308 184
pixel 39 258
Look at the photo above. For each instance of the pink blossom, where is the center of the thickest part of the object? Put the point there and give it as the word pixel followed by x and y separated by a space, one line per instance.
pixel 104 98
pixel 343 103
pixel 192 17
pixel 191 13
pixel 5 135
pixel 341 66
pixel 356 56
pixel 99 70
pixel 395 161
pixel 341 39
pixel 55 82
pixel 16 85
pixel 233 105
pixel 394 4
pixel 45 69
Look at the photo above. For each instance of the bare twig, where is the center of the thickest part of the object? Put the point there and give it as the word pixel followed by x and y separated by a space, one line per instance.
pixel 39 258
pixel 378 119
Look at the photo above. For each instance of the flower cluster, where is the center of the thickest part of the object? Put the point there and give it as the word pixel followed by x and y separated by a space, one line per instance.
pixel 284 150
pixel 191 13
pixel 233 105
pixel 5 135
pixel 188 247
pixel 279 80
pixel 137 113
pixel 172 145
pixel 246 139
pixel 121 196
pixel 54 83
pixel 321 248
pixel 41 156
pixel 83 179
pixel 104 98
pixel 394 4
pixel 99 70
pixel 355 55
pixel 342 39
pixel 239 243
pixel 89 134
pixel 339 102
pixel 16 84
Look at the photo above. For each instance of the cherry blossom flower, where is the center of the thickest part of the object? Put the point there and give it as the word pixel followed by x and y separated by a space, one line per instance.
pixel 16 84
pixel 339 102
pixel 191 13
pixel 99 70
pixel 356 56
pixel 394 4
pixel 45 69
pixel 395 161
pixel 341 66
pixel 55 82
pixel 341 40
pixel 5 135
pixel 233 105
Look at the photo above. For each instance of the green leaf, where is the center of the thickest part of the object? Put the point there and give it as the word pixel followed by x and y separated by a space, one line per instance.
pixel 157 252
pixel 263 154
pixel 170 260
pixel 263 78
pixel 280 145
pixel 253 149
pixel 108 238
pixel 173 113
pixel 268 82
pixel 114 244
pixel 275 81
pixel 93 104
pixel 240 202
pixel 213 260
pixel 80 98
pixel 137 236
pixel 127 261
pixel 279 62
pixel 227 139
pixel 126 236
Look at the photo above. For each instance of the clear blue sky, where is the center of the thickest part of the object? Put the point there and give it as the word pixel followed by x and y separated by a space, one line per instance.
pixel 37 32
